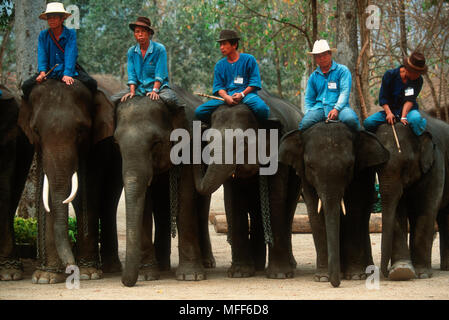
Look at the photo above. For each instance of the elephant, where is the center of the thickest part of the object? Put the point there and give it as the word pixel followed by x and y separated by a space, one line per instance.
pixel 155 186
pixel 337 170
pixel 269 199
pixel 72 133
pixel 414 187
pixel 16 154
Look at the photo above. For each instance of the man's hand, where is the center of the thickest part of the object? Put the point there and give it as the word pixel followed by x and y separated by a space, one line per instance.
pixel 333 114
pixel 128 95
pixel 68 80
pixel 153 95
pixel 229 100
pixel 404 121
pixel 41 77
pixel 390 118
pixel 237 97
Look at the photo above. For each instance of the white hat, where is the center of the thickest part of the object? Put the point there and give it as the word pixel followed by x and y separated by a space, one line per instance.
pixel 321 46
pixel 54 7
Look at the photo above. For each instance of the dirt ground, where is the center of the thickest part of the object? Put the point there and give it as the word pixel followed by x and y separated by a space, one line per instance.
pixel 219 287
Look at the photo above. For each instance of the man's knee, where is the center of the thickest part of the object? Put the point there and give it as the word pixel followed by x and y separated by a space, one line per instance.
pixel 417 122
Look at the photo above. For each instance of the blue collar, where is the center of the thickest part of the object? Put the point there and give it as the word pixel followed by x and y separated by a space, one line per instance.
pixel 64 34
pixel 333 67
pixel 149 51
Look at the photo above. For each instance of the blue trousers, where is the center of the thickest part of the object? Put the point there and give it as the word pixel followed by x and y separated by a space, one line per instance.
pixel 346 115
pixel 252 100
pixel 414 118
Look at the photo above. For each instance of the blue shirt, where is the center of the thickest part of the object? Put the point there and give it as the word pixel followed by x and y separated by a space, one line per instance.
pixel 237 76
pixel 48 54
pixel 330 90
pixel 395 93
pixel 143 72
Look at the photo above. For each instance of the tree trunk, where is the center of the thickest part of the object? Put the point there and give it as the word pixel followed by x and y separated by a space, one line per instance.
pixel 402 27
pixel 278 69
pixel 27 26
pixel 347 43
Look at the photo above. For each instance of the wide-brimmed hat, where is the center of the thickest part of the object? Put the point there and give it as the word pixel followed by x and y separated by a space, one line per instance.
pixel 142 22
pixel 321 46
pixel 416 62
pixel 226 35
pixel 54 7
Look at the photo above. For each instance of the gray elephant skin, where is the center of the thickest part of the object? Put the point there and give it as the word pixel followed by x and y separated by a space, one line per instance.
pixel 143 133
pixel 71 131
pixel 336 164
pixel 414 189
pixel 16 154
pixel 242 186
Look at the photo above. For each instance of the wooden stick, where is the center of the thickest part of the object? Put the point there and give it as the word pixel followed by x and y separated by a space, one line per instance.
pixel 396 138
pixel 208 96
pixel 51 70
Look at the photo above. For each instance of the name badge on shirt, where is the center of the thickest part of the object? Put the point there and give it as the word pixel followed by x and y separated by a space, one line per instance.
pixel 238 80
pixel 332 85
pixel 409 92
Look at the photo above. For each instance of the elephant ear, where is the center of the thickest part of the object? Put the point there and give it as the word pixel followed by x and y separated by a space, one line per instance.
pixel 103 119
pixel 427 151
pixel 369 151
pixel 291 151
pixel 24 120
pixel 179 119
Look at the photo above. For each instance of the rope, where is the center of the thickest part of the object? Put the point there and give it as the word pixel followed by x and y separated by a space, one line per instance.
pixel 265 209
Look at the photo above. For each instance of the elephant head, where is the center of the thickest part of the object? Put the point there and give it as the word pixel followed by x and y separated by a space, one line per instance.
pixel 143 134
pixel 63 122
pixel 402 170
pixel 327 157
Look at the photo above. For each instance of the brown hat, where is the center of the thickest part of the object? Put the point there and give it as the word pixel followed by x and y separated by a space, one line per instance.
pixel 416 63
pixel 142 22
pixel 226 35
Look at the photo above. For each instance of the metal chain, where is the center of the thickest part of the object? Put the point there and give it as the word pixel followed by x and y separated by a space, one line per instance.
pixel 11 264
pixel 41 213
pixel 174 175
pixel 89 264
pixel 265 209
pixel 51 269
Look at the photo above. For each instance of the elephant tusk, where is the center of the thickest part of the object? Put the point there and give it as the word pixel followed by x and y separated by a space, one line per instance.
pixel 45 194
pixel 343 206
pixel 319 205
pixel 74 189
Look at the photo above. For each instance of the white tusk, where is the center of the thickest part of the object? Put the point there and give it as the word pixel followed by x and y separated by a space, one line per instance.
pixel 45 194
pixel 319 205
pixel 74 189
pixel 343 206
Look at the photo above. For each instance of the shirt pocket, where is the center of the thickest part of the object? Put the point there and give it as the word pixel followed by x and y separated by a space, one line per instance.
pixel 333 92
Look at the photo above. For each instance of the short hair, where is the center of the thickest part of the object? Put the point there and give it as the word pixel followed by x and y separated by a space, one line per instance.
pixel 234 41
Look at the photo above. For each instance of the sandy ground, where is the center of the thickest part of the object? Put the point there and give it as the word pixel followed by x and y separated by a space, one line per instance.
pixel 218 286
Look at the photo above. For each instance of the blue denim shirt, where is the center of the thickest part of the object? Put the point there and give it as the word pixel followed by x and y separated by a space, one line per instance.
pixel 329 91
pixel 48 54
pixel 143 72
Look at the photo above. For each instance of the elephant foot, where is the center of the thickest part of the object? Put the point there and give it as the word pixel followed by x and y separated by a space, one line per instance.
pixel 209 262
pixel 401 271
pixel 11 270
pixel 423 273
pixel 188 271
pixel 321 275
pixel 280 272
pixel 90 273
pixel 149 272
pixel 111 266
pixel 355 276
pixel 241 270
pixel 48 277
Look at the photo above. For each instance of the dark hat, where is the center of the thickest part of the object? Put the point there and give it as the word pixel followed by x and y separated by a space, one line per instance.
pixel 142 22
pixel 416 63
pixel 226 35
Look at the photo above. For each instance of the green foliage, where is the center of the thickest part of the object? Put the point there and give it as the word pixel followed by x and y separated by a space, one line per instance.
pixel 25 230
pixel 6 14
pixel 377 207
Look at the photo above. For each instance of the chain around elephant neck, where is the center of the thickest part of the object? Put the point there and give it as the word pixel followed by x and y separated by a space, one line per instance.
pixel 174 175
pixel 265 209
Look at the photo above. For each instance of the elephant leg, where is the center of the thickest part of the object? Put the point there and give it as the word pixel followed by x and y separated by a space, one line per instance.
pixel 161 209
pixel 149 267
pixel 279 261
pixel 443 229
pixel 242 259
pixel 190 259
pixel 203 208
pixel 318 232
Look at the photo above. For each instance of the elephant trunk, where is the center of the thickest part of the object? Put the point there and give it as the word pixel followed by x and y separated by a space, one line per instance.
pixel 331 208
pixel 390 195
pixel 135 185
pixel 214 177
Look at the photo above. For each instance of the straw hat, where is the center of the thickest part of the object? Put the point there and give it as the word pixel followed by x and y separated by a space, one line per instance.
pixel 321 46
pixel 54 7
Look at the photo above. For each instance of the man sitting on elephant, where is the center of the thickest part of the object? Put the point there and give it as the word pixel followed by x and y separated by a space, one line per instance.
pixel 236 80
pixel 147 67
pixel 57 52
pixel 328 90
pixel 398 92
